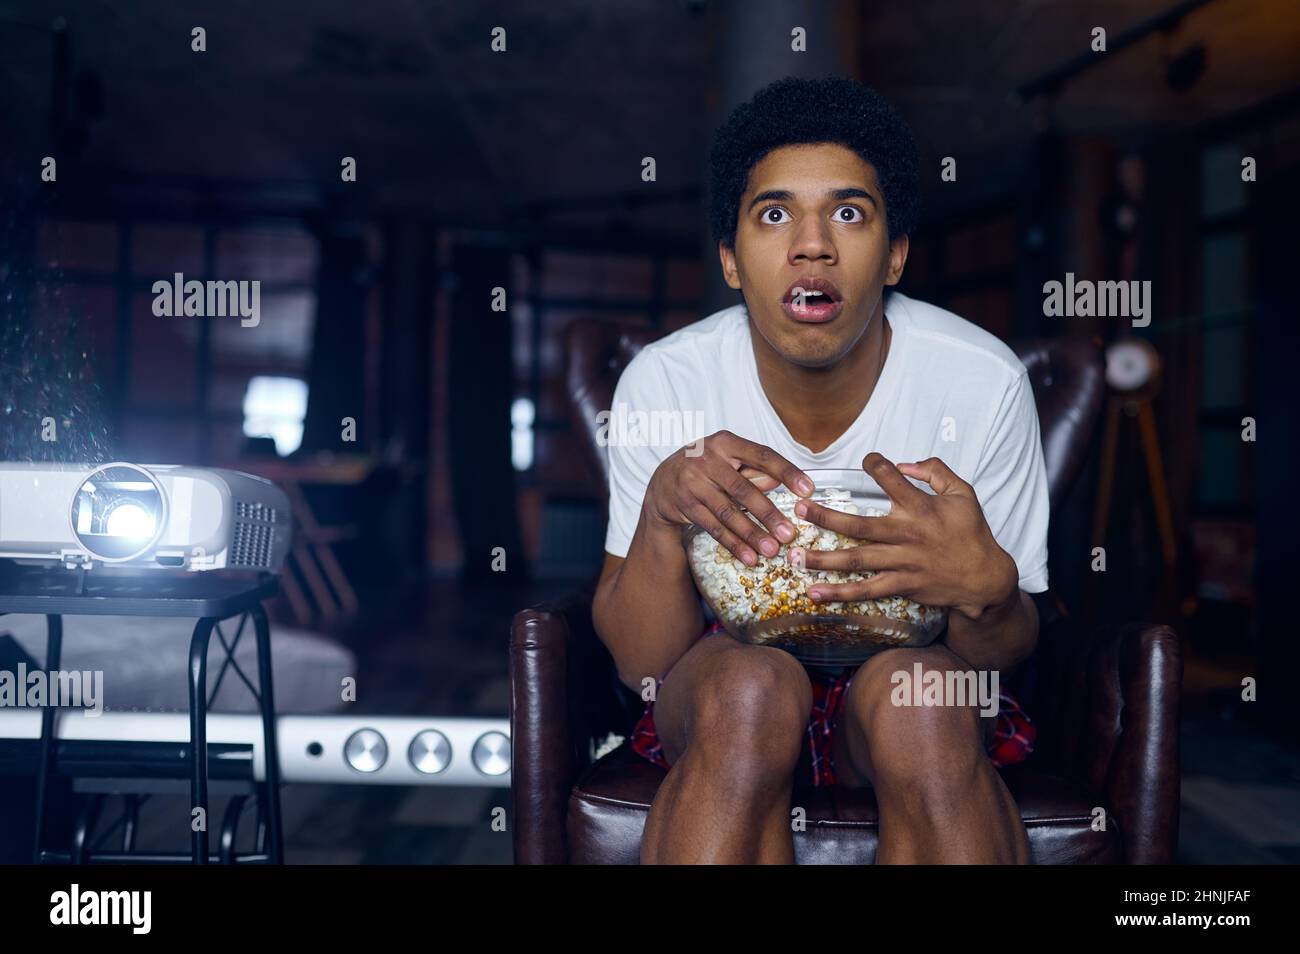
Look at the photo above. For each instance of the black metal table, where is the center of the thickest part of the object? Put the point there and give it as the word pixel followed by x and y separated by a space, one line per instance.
pixel 207 597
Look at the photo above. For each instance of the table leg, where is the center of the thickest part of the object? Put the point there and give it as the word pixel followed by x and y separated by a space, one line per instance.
pixel 199 737
pixel 87 819
pixel 131 822
pixel 269 741
pixel 230 830
pixel 53 653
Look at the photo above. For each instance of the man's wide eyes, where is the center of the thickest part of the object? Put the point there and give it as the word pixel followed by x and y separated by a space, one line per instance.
pixel 839 216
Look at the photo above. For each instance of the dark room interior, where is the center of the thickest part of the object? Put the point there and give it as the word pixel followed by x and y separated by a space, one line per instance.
pixel 458 250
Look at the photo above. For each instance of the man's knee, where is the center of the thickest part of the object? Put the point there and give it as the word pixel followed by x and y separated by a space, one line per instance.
pixel 750 710
pixel 755 689
pixel 918 746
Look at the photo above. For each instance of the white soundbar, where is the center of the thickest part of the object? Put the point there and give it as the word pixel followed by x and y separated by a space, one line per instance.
pixel 334 749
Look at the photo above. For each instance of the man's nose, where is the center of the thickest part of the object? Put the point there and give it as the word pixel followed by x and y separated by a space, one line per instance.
pixel 812 239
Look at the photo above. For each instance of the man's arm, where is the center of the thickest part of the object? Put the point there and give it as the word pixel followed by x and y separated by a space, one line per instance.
pixel 646 610
pixel 1011 484
pixel 1000 635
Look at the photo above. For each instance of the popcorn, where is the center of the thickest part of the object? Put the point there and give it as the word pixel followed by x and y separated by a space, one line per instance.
pixel 755 600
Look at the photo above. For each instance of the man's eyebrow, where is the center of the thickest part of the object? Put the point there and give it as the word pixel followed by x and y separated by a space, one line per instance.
pixel 785 195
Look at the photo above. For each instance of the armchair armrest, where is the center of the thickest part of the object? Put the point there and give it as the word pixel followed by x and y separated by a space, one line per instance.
pixel 1107 706
pixel 564 691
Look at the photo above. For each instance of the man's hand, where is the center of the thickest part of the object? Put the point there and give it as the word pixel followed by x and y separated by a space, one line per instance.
pixel 709 485
pixel 936 549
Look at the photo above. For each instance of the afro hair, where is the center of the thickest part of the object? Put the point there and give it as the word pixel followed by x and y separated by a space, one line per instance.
pixel 797 110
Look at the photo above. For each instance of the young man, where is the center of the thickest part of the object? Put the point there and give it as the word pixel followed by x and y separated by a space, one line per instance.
pixel 814 185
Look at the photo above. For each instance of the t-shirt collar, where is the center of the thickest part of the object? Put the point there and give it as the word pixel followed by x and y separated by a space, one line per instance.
pixel 881 394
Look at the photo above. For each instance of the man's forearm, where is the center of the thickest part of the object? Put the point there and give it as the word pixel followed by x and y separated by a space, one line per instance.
pixel 648 612
pixel 1001 637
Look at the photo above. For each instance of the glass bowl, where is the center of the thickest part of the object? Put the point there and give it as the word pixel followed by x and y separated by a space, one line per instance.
pixel 766 604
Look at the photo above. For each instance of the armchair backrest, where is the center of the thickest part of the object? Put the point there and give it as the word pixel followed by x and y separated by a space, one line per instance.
pixel 597 352
pixel 1067 374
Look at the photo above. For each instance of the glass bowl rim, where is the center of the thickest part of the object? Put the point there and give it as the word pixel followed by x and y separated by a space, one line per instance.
pixel 854 474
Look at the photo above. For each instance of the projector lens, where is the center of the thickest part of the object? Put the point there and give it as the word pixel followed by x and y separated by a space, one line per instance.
pixel 130 521
pixel 118 513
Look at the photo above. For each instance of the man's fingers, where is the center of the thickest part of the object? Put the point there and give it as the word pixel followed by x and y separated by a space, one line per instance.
pixel 744 492
pixel 891 480
pixel 937 474
pixel 854 526
pixel 762 481
pixel 729 513
pixel 707 521
pixel 871 556
pixel 886 583
pixel 767 461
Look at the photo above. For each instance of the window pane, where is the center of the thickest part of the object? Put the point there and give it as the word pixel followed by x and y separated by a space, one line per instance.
pixel 1223 382
pixel 159 251
pixel 275 407
pixel 283 255
pixel 163 357
pixel 1222 190
pixel 280 339
pixel 1223 286
pixel 1223 292
pixel 1221 471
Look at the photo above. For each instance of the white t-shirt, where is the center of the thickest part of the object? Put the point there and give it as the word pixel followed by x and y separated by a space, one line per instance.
pixel 949 389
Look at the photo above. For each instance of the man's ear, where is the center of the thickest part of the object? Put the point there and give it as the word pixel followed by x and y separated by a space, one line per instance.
pixel 729 273
pixel 898 249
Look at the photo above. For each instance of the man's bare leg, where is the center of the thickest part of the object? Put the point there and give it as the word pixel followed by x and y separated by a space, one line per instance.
pixel 731 718
pixel 941 800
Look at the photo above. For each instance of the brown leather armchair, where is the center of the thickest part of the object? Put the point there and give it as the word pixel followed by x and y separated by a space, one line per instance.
pixel 1105 701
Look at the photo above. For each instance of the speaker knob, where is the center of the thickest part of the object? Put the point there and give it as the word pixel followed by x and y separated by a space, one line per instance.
pixel 491 753
pixel 429 752
pixel 366 751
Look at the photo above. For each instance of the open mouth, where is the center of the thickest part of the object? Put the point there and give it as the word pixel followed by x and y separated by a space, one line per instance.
pixel 812 300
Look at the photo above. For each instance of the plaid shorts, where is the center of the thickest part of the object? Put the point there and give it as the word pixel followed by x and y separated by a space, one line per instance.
pixel 1013 738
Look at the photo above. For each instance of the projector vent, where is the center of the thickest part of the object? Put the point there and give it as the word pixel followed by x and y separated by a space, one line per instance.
pixel 254 511
pixel 252 544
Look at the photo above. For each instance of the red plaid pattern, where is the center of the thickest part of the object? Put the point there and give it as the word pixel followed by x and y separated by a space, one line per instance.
pixel 1013 739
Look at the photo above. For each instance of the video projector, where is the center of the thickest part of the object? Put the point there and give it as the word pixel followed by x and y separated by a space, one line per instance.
pixel 156 516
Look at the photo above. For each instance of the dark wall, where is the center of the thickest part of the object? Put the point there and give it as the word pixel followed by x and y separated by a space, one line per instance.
pixel 1278 422
pixel 480 391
